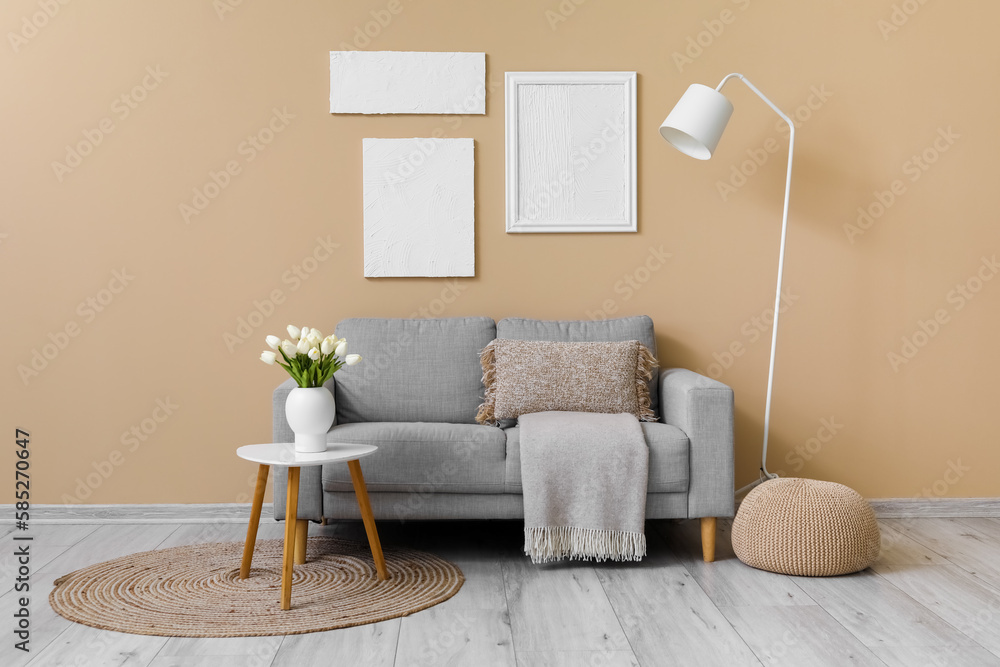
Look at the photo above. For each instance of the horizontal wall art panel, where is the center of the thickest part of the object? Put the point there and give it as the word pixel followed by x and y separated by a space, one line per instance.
pixel 571 153
pixel 419 207
pixel 407 82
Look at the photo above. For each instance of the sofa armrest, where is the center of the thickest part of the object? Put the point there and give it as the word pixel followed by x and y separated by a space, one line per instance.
pixel 310 477
pixel 703 409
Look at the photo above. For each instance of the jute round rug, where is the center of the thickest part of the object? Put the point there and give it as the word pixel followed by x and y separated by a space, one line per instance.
pixel 195 591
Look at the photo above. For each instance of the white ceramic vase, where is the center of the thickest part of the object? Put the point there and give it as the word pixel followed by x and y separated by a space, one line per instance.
pixel 310 412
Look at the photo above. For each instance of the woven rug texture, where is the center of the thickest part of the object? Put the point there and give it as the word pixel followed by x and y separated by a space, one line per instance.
pixel 195 591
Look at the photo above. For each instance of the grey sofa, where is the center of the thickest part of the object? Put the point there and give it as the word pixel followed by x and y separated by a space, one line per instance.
pixel 416 393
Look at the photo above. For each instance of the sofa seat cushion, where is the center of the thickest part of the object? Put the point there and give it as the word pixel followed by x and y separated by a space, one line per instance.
pixel 668 459
pixel 414 370
pixel 422 458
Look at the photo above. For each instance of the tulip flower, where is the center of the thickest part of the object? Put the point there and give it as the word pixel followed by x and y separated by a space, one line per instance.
pixel 303 346
pixel 309 358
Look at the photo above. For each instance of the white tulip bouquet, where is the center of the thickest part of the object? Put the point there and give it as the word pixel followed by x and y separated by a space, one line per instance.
pixel 310 358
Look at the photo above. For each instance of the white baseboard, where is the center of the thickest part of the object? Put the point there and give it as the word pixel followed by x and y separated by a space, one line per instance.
pixel 885 508
pixel 179 513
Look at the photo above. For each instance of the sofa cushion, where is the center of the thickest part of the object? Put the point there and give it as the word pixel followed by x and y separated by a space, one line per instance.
pixel 638 328
pixel 525 376
pixel 668 459
pixel 414 370
pixel 422 458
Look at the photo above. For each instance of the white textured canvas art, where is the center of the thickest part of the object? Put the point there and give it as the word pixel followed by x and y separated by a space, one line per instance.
pixel 419 207
pixel 571 161
pixel 405 82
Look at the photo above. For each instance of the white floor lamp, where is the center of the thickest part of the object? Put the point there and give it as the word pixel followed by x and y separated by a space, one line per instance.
pixel 694 127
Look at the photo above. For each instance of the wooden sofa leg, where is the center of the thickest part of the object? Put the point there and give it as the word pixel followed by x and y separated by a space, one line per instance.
pixel 708 538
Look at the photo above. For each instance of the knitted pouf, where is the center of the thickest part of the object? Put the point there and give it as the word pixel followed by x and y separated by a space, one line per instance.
pixel 806 527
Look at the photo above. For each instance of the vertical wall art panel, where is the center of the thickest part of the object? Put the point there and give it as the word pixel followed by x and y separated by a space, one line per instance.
pixel 419 207
pixel 571 161
pixel 404 82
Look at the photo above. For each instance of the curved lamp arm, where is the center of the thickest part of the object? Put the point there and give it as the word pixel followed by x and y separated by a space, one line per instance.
pixel 765 475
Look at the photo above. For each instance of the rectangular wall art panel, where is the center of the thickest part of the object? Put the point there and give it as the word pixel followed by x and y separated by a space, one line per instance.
pixel 571 161
pixel 419 207
pixel 407 82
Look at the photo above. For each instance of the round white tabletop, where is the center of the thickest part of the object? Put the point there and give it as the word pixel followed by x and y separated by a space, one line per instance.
pixel 284 454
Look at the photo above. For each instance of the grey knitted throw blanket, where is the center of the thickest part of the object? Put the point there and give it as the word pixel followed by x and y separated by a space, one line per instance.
pixel 584 481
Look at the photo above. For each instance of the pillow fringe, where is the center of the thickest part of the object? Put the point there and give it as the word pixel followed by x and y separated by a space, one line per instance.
pixel 643 374
pixel 488 359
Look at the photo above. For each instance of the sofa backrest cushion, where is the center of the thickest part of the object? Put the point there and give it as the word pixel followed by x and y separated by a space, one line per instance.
pixel 638 328
pixel 413 369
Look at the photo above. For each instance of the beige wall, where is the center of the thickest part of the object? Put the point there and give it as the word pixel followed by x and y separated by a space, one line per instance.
pixel 886 96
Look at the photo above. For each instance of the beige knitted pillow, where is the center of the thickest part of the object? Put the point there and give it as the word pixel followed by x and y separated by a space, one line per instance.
pixel 523 376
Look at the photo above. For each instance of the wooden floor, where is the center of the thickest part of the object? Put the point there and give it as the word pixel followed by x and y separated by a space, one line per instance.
pixel 932 599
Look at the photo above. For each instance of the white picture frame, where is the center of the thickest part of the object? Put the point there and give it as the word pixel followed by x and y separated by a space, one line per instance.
pixel 571 152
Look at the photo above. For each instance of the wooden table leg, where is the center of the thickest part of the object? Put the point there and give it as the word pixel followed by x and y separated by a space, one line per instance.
pixel 291 516
pixel 258 503
pixel 361 491
pixel 301 538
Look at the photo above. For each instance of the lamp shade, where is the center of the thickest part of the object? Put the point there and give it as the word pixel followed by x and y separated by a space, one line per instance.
pixel 697 121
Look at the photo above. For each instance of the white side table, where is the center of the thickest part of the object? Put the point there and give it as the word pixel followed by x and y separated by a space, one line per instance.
pixel 296 532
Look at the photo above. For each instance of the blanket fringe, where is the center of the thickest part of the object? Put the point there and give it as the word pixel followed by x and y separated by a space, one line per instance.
pixel 644 373
pixel 488 359
pixel 551 543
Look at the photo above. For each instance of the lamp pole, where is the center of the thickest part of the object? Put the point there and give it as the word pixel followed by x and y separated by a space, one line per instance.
pixel 696 130
pixel 765 475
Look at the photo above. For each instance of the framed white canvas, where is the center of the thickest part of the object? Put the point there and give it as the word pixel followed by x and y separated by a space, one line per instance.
pixel 419 207
pixel 407 82
pixel 571 152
